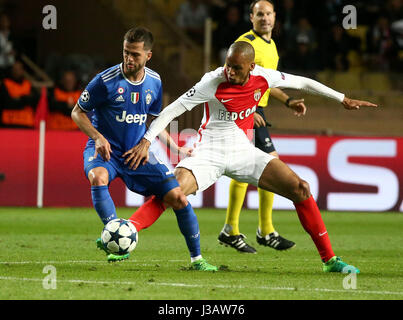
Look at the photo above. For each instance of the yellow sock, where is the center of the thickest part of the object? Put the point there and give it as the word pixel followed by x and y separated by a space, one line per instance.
pixel 265 211
pixel 237 191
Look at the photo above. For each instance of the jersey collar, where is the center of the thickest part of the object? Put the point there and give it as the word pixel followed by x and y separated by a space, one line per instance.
pixel 255 32
pixel 136 83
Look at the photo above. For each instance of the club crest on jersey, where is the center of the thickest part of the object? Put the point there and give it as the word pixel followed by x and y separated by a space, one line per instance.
pixel 148 96
pixel 134 97
pixel 257 95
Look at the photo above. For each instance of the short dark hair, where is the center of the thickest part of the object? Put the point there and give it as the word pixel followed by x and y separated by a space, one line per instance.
pixel 252 5
pixel 244 48
pixel 140 34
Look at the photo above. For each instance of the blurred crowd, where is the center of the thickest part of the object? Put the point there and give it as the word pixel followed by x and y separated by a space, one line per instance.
pixel 22 98
pixel 309 34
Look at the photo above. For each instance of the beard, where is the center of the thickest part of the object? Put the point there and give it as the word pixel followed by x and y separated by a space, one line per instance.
pixel 134 69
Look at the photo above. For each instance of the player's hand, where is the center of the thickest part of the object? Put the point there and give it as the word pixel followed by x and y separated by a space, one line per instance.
pixel 103 148
pixel 351 104
pixel 298 106
pixel 258 120
pixel 138 154
pixel 184 152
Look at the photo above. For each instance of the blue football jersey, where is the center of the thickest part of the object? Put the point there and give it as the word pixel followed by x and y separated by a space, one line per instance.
pixel 120 107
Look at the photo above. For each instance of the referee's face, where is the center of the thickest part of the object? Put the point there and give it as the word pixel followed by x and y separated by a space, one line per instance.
pixel 263 17
pixel 135 57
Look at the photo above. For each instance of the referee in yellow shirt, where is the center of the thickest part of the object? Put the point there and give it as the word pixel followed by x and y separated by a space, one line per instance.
pixel 262 16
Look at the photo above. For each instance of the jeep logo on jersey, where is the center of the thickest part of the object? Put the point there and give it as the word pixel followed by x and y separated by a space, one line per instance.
pixel 233 116
pixel 132 118
pixel 134 97
pixel 257 94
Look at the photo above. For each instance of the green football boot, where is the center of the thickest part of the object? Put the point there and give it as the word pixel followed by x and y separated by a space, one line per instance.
pixel 335 264
pixel 110 256
pixel 203 265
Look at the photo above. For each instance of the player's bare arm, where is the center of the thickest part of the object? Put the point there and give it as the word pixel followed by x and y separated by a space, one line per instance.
pixel 166 138
pixel 290 81
pixel 102 145
pixel 295 104
pixel 314 87
pixel 351 104
pixel 258 121
pixel 138 154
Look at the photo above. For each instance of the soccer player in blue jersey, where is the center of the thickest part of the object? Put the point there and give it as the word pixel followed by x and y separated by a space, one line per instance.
pixel 123 98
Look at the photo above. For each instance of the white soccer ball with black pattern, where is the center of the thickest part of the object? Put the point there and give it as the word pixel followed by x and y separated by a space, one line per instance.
pixel 119 236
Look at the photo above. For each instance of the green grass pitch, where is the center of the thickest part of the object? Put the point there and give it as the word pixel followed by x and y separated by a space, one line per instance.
pixel 31 239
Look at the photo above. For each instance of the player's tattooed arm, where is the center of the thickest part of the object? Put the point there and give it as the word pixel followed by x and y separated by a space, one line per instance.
pixel 102 145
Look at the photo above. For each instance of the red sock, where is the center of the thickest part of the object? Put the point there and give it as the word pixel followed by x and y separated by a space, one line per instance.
pixel 311 220
pixel 148 213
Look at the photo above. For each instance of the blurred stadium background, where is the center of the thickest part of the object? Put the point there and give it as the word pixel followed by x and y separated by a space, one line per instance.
pixel 352 159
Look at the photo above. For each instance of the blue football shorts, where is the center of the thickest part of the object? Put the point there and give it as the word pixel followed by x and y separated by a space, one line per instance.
pixel 153 178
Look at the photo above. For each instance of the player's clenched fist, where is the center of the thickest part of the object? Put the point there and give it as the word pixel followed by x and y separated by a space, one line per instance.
pixel 137 155
pixel 103 148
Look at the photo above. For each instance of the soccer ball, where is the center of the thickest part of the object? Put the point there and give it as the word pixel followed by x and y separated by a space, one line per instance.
pixel 119 236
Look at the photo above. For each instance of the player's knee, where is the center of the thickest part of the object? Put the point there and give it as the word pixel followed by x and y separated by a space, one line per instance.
pixel 98 181
pixel 179 202
pixel 176 199
pixel 98 177
pixel 301 191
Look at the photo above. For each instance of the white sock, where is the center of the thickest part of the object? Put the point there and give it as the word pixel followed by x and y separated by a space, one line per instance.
pixel 193 259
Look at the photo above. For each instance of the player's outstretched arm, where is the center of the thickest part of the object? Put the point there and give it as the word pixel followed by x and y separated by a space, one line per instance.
pixel 102 145
pixel 283 80
pixel 351 104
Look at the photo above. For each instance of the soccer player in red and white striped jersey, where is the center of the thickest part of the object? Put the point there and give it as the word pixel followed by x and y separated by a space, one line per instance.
pixel 230 95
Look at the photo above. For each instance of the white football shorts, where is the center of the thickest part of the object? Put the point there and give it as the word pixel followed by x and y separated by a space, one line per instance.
pixel 233 156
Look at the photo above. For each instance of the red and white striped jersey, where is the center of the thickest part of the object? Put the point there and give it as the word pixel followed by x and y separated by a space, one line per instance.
pixel 228 106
